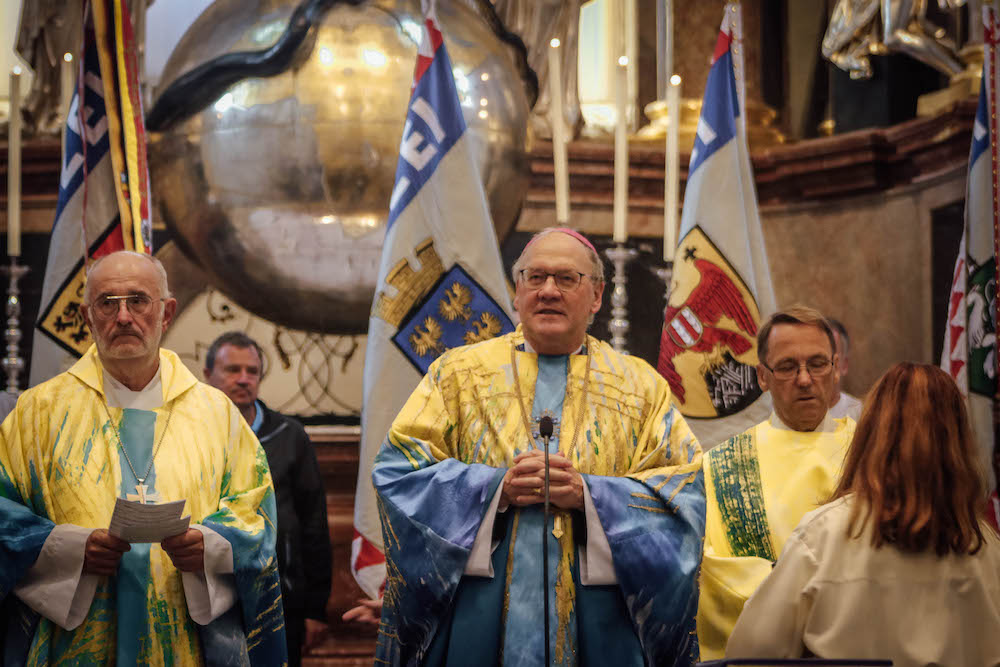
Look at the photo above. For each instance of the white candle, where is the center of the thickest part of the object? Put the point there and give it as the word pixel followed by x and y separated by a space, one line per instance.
pixel 560 162
pixel 672 177
pixel 14 166
pixel 668 46
pixel 68 79
pixel 621 153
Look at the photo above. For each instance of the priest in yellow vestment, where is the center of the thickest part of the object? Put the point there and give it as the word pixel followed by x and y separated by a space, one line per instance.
pixel 128 420
pixel 760 483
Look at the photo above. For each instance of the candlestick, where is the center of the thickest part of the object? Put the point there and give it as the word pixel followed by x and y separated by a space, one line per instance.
pixel 14 166
pixel 619 324
pixel 671 175
pixel 13 363
pixel 621 153
pixel 560 161
pixel 666 274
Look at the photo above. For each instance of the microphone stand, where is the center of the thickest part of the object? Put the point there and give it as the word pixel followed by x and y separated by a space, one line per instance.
pixel 545 428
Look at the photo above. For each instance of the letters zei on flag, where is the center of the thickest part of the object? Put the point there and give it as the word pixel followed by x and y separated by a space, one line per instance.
pixel 970 349
pixel 721 288
pixel 441 282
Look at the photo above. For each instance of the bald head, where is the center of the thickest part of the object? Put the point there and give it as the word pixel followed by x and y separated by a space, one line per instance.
pixel 117 260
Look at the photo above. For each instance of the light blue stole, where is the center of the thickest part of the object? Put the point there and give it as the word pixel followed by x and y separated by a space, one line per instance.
pixel 524 641
pixel 136 430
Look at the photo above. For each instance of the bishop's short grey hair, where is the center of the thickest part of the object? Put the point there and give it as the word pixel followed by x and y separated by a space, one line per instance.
pixel 596 265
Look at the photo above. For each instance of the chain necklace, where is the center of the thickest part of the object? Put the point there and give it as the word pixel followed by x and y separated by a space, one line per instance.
pixel 140 487
pixel 557 529
pixel 581 405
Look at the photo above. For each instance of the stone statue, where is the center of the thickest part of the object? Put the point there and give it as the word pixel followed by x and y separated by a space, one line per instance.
pixel 536 22
pixel 49 29
pixel 860 28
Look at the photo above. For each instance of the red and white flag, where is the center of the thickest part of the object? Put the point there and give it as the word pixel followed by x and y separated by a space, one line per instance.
pixel 721 287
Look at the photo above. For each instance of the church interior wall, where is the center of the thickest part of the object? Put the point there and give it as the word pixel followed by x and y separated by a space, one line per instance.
pixel 866 261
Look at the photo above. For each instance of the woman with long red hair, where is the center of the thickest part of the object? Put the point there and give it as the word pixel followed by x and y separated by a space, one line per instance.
pixel 898 565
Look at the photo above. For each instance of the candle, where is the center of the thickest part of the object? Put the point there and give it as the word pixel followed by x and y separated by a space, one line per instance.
pixel 621 153
pixel 671 174
pixel 558 134
pixel 14 166
pixel 67 80
pixel 668 44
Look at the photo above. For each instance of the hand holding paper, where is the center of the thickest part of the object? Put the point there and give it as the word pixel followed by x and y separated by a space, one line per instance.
pixel 103 553
pixel 186 551
pixel 135 522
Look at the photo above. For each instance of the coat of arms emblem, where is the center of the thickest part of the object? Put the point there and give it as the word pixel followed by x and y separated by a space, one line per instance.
pixel 708 349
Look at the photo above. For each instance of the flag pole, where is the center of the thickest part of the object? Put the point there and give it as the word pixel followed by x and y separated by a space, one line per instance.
pixel 734 11
pixel 990 64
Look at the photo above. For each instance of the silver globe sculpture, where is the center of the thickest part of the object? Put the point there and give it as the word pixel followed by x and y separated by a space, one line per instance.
pixel 279 187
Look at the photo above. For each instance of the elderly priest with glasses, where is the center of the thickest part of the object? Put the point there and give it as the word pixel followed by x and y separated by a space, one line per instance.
pixel 460 487
pixel 129 421
pixel 760 483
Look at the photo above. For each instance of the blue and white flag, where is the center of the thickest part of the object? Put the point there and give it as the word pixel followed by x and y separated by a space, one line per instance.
pixel 721 287
pixel 441 281
pixel 87 224
pixel 970 346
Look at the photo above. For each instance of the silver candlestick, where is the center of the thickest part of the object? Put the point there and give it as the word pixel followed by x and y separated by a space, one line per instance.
pixel 13 363
pixel 619 324
pixel 666 273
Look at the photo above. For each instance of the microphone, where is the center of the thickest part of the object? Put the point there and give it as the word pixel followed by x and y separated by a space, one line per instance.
pixel 545 428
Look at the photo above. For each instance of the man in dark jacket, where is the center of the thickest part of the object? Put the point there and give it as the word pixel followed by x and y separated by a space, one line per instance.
pixel 233 364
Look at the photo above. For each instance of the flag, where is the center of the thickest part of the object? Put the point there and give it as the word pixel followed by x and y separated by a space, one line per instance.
pixel 721 286
pixel 970 352
pixel 441 281
pixel 97 212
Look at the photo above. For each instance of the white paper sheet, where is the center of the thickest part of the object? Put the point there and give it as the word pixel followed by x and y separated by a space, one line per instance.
pixel 135 522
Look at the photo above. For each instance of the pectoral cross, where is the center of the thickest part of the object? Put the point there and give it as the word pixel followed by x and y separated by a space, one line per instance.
pixel 557 526
pixel 142 495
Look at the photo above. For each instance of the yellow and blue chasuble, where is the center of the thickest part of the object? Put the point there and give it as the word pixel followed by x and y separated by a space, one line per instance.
pixel 60 464
pixel 758 486
pixel 444 459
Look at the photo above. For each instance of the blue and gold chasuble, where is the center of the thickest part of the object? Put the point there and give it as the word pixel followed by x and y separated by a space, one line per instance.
pixel 60 463
pixel 443 461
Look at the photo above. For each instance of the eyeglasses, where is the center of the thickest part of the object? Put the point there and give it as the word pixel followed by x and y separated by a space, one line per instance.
pixel 566 281
pixel 789 370
pixel 137 304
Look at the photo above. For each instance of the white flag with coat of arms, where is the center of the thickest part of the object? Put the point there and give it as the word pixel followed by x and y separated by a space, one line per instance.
pixel 441 280
pixel 969 353
pixel 721 288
